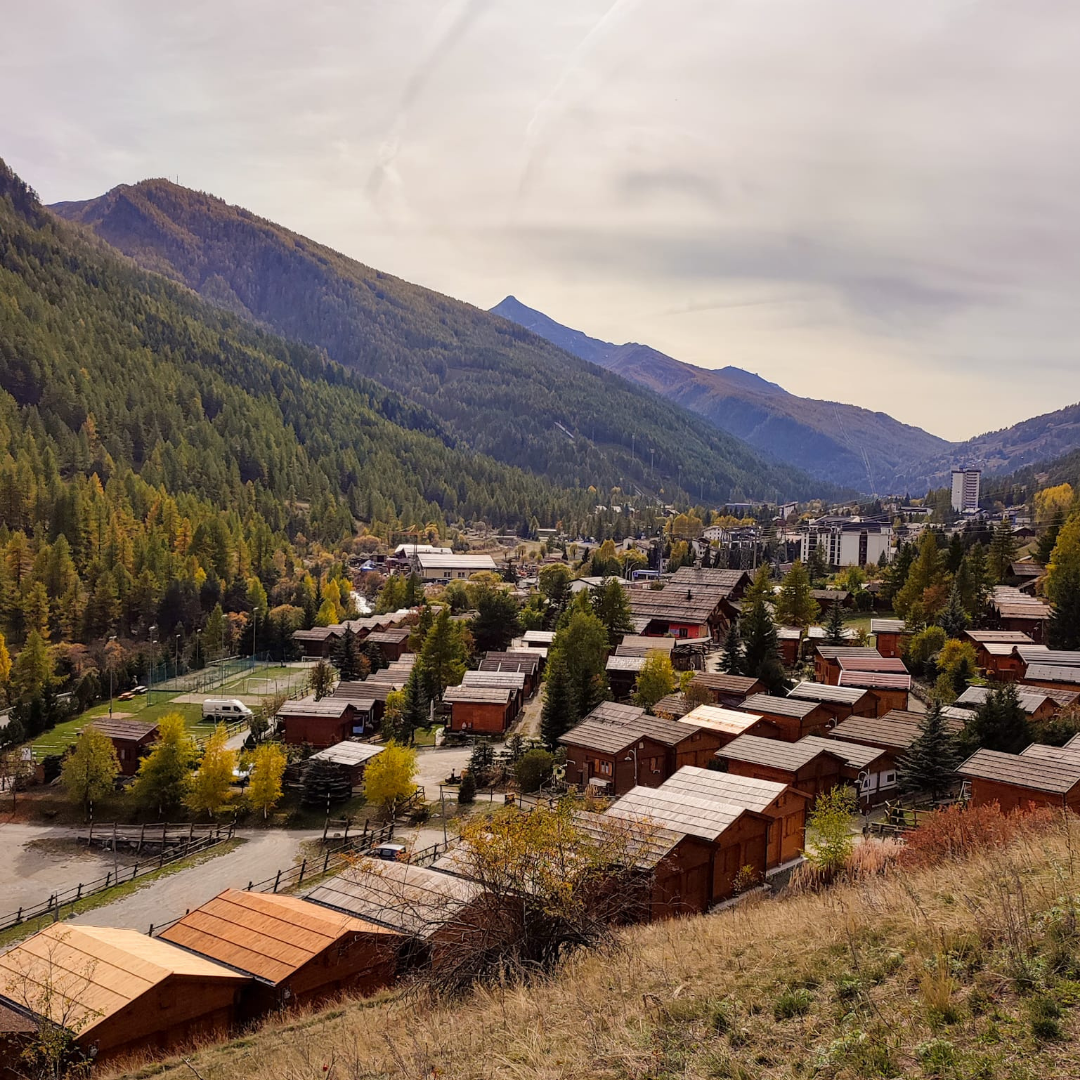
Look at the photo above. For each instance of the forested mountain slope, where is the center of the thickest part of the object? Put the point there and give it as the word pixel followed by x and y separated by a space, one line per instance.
pixel 496 387
pixel 840 443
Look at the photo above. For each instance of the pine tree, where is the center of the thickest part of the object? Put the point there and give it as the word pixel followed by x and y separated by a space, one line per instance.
pixel 762 648
pixel 1003 548
pixel 414 705
pixel 794 604
pixel 835 631
pixel 348 659
pixel 974 582
pixel 442 656
pixel 1044 549
pixel 930 762
pixel 555 717
pixel 999 723
pixel 733 662
pixel 954 554
pixel 612 608
pixel 954 619
pixel 817 565
pixel 496 622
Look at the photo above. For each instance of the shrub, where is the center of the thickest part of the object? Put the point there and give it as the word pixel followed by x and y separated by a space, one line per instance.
pixel 1045 1016
pixel 791 1003
pixel 467 790
pixel 937 1057
pixel 533 768
pixel 831 821
pixel 958 831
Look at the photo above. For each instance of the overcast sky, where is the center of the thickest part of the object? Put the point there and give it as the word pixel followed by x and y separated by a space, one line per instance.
pixel 865 201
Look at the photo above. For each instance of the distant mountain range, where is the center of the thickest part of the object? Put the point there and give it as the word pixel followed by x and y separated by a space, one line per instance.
pixel 844 444
pixel 495 388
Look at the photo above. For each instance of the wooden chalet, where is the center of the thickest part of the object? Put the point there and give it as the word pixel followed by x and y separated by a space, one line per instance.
pixel 697 604
pixel 622 674
pixel 1037 704
pixel 890 636
pixel 735 837
pixel 499 680
pixel 863 766
pixel 1047 776
pixel 793 717
pixel 996 654
pixel 121 992
pixel 351 757
pixel 732 583
pixel 671 707
pixel 730 690
pixel 790 638
pixel 529 662
pixel 731 723
pixel 317 723
pixel 809 766
pixel 538 639
pixel 892 733
pixel 318 642
pixel 827 660
pixel 481 710
pixel 393 644
pixel 1012 609
pixel 132 740
pixel 841 701
pixel 672 867
pixel 827 597
pixel 889 690
pixel 295 952
pixel 1051 670
pixel 430 908
pixel 782 803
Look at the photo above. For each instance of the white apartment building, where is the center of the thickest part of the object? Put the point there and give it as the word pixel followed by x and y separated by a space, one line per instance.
pixel 850 541
pixel 965 490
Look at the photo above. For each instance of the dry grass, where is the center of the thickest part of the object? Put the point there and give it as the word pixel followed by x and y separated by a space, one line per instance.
pixel 969 969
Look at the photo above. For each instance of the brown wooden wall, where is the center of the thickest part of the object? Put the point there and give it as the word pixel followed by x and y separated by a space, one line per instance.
pixel 482 717
pixel 317 731
pixel 1013 797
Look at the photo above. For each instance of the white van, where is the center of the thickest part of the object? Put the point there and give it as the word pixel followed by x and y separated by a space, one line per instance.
pixel 225 709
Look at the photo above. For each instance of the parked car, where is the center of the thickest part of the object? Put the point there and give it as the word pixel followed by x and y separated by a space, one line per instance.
pixel 127 695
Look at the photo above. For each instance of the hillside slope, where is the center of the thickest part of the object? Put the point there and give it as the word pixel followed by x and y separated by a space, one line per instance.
pixel 963 971
pixel 840 443
pixel 499 389
pixel 108 369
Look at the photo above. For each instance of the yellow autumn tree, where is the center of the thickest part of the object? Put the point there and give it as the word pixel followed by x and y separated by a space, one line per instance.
pixel 1051 501
pixel 268 767
pixel 390 778
pixel 210 786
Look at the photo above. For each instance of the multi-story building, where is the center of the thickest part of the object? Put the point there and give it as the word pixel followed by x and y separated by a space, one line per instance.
pixel 847 541
pixel 965 490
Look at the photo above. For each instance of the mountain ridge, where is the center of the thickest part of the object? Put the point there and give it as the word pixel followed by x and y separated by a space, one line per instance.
pixel 500 390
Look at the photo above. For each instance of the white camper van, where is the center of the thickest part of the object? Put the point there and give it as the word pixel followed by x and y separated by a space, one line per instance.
pixel 225 709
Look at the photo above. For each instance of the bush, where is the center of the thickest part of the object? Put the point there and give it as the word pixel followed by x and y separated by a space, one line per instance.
pixel 792 1003
pixel 467 790
pixel 959 831
pixel 533 768
pixel 1045 1016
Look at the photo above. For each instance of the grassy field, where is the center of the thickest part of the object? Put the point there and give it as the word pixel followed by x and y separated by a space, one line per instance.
pixel 966 971
pixel 53 742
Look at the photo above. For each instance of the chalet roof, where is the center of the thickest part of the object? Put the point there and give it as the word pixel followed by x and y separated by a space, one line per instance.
pixel 742 685
pixel 823 692
pixel 539 637
pixel 1011 603
pixel 82 975
pixel 648 846
pixel 820 633
pixel 317 633
pixel 891 665
pixel 726 721
pixel 834 652
pixel 875 680
pixel 888 626
pixel 413 900
pixel 1012 637
pixel 437 560
pixel 896 730
pixel 267 935
pixel 512 680
pixel 1022 770
pixel 478 695
pixel 727 581
pixel 830 596
pixel 656 644
pixel 348 752
pixel 626 663
pixel 604 738
pixel 623 725
pixel 388 637
pixel 674 706
pixel 1031 699
pixel 615 712
pixel 789 633
pixel 1027 569
pixel 679 811
pixel 117 728
pixel 1066 673
pixel 1054 657
pixel 855 755
pixel 1069 754
pixel 776 753
pixel 779 706
pixel 693 605
pixel 508 665
pixel 333 707
pixel 746 791
pixel 527 660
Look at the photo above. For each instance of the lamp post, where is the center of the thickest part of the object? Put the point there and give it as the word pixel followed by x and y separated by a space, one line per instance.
pixel 150 680
pixel 109 661
pixel 198 639
pixel 176 658
pixel 633 756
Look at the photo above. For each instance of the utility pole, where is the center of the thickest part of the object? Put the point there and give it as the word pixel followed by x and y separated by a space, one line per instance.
pixel 150 680
pixel 111 672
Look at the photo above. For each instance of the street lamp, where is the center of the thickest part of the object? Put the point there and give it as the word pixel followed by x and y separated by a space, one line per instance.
pixel 109 662
pixel 150 680
pixel 176 658
pixel 198 639
pixel 632 756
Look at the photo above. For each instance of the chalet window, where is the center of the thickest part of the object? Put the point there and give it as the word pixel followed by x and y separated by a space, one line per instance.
pixel 889 779
pixel 605 768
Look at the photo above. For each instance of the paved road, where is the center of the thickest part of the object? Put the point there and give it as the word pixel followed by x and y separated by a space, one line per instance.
pixel 260 856
pixel 435 765
pixel 32 874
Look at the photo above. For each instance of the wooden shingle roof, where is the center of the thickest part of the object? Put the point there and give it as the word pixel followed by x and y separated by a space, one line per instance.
pixel 267 935
pixel 779 706
pixel 823 692
pixel 776 753
pixel 678 811
pixel 746 791
pixel 735 685
pixel 726 721
pixel 1022 770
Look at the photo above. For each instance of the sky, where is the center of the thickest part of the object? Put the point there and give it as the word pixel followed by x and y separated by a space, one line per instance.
pixel 867 202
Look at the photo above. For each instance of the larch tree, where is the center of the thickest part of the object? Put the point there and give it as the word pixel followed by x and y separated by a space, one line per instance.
pixel 612 607
pixel 268 767
pixel 164 774
pixel 1003 549
pixel 32 672
pixel 443 655
pixel 795 606
pixel 89 772
pixel 655 680
pixel 925 573
pixel 1063 586
pixel 210 787
pixel 322 679
pixel 390 778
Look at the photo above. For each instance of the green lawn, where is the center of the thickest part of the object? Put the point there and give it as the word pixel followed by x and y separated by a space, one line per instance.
pixel 53 742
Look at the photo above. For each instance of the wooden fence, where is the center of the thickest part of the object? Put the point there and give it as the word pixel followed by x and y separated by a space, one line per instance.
pixel 137 837
pixel 56 903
